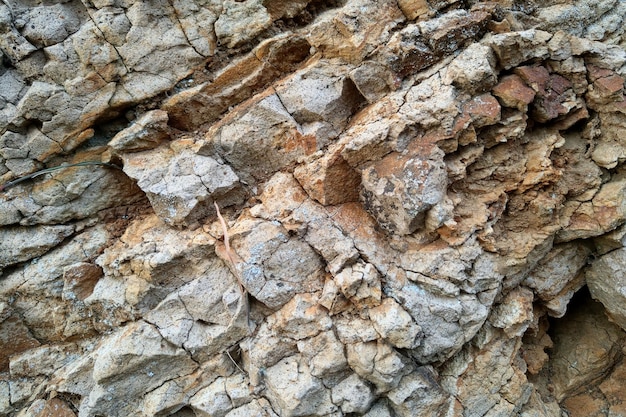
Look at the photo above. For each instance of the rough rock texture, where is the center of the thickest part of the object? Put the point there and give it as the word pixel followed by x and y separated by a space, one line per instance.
pixel 266 208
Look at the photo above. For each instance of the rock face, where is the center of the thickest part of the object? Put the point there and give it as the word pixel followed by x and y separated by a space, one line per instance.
pixel 267 208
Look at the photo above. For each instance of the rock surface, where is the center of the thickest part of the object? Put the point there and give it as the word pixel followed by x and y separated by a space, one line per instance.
pixel 266 208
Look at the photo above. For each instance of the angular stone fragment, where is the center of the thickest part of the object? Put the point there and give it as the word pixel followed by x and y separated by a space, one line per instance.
pixel 14 336
pixel 395 325
pixel 182 186
pixel 239 22
pixel 138 350
pixel 147 132
pixel 515 313
pixel 414 9
pixel 42 360
pixel 604 213
pixel 360 283
pixel 372 79
pixel 19 244
pixel 418 393
pixel 407 53
pixel 557 276
pixel 355 30
pixel 320 98
pixel 447 33
pixel 54 407
pixel 300 318
pixel 325 354
pixel 399 189
pixel 605 282
pixel 483 110
pixel 473 70
pixel 295 392
pixel 590 341
pixel 329 180
pixel 34 145
pixel 378 363
pixel 262 131
pixel 206 102
pixel 205 316
pixel 51 24
pixel 352 395
pixel 513 48
pixel 78 192
pixel 150 261
pixel 513 92
pixel 79 280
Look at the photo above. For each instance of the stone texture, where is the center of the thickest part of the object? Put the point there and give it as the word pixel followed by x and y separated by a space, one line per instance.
pixel 591 342
pixel 399 190
pixel 183 186
pixel 604 279
pixel 146 133
pixel 412 197
pixel 19 244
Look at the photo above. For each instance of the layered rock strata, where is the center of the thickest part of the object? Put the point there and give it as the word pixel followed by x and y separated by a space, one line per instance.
pixel 364 207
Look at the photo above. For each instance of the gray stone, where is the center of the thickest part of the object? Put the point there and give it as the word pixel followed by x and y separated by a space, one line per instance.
pixel 264 132
pixel 239 22
pixel 378 363
pixel 399 189
pixel 352 395
pixel 183 186
pixel 604 279
pixel 319 99
pixel 147 132
pixel 295 392
pixel 418 393
pixel 42 360
pixel 47 25
pixel 19 244
pixel 276 266
pixel 395 325
pixel 473 70
pixel 360 283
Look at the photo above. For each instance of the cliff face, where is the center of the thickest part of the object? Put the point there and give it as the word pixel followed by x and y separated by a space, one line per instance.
pixel 360 207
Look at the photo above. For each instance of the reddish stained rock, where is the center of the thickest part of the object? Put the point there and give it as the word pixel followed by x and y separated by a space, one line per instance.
pixel 559 84
pixel 607 86
pixel 484 110
pixel 535 76
pixel 54 407
pixel 14 338
pixel 329 180
pixel 513 92
pixel 80 280
pixel 596 72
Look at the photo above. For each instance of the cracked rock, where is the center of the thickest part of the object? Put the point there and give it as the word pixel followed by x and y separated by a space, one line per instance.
pixel 140 350
pixel 182 187
pixel 295 392
pixel 275 266
pixel 604 282
pixel 399 189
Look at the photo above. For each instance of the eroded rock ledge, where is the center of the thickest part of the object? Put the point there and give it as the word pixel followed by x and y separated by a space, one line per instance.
pixel 413 192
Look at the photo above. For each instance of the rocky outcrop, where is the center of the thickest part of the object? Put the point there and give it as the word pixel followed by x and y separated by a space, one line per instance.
pixel 366 207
